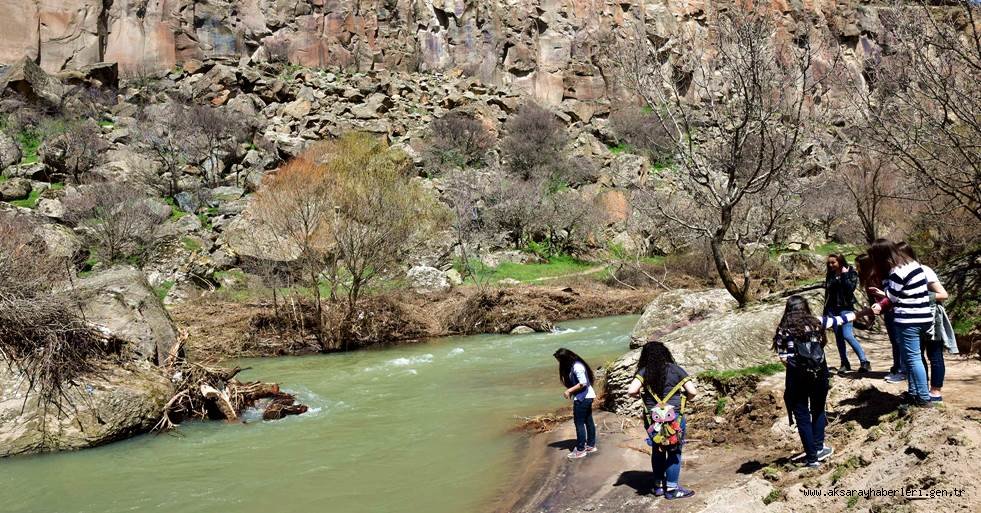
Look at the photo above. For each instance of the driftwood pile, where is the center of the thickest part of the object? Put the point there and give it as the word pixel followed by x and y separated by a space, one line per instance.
pixel 206 392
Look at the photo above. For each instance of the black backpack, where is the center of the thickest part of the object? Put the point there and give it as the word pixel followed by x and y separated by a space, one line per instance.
pixel 809 355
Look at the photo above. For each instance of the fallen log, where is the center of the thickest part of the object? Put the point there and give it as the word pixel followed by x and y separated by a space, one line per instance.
pixel 283 405
pixel 221 401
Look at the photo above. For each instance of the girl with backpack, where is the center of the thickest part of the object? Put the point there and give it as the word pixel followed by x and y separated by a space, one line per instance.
pixel 905 284
pixel 799 343
pixel 664 388
pixel 577 377
pixel 839 298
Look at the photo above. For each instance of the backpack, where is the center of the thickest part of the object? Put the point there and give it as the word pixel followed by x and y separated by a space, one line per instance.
pixel 809 355
pixel 664 432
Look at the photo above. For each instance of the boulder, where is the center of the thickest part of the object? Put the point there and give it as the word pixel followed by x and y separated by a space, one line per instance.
pixel 802 264
pixel 513 256
pixel 522 330
pixel 121 300
pixel 427 279
pixel 15 189
pixel 60 240
pixel 677 308
pixel 729 340
pixel 9 151
pixel 30 81
pixel 117 403
pixel 51 207
pixel 244 236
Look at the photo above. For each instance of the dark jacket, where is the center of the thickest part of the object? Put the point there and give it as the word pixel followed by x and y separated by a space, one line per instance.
pixel 839 292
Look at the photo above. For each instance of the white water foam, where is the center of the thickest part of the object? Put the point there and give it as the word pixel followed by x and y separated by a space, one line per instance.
pixel 456 351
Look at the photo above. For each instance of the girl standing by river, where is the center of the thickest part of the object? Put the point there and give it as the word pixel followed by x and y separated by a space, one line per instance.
pixel 577 377
pixel 664 387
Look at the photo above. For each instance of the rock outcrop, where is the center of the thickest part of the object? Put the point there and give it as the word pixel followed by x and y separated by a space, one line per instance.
pixel 730 340
pixel 678 308
pixel 547 48
pixel 117 403
pixel 121 300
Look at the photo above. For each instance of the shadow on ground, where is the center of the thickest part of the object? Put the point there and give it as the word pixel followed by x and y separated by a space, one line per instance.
pixel 868 405
pixel 565 445
pixel 641 481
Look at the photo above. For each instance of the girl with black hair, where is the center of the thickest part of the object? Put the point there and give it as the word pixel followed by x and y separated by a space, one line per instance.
pixel 577 377
pixel 839 298
pixel 657 377
pixel 799 342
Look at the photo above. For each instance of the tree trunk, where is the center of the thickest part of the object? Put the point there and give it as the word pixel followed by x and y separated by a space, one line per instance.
pixel 738 293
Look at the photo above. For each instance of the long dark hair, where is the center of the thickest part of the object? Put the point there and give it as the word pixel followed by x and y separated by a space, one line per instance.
pixel 654 359
pixel 799 322
pixel 566 360
pixel 866 271
pixel 904 248
pixel 886 255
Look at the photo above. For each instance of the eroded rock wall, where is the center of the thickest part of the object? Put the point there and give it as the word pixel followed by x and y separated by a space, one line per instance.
pixel 545 47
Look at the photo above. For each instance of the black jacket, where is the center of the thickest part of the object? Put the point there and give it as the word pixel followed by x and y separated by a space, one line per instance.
pixel 839 292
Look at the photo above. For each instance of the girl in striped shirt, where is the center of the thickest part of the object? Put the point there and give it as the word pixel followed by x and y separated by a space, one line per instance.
pixel 912 316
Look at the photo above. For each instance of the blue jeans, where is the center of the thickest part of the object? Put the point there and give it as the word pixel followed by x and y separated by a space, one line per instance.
pixel 805 398
pixel 897 354
pixel 909 337
pixel 582 416
pixel 934 350
pixel 667 464
pixel 844 333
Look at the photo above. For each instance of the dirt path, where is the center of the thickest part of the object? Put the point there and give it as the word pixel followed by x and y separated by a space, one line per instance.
pixel 733 468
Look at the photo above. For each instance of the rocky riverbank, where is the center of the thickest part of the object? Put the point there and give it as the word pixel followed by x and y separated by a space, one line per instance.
pixel 738 458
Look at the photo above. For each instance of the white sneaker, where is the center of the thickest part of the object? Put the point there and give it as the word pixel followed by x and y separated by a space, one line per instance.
pixel 895 378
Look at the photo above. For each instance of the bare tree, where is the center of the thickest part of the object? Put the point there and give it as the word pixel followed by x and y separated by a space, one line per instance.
pixel 740 101
pixel 170 141
pixel 74 152
pixel 463 194
pixel 533 149
pixel 919 103
pixel 115 219
pixel 872 183
pixel 457 140
pixel 513 207
pixel 216 133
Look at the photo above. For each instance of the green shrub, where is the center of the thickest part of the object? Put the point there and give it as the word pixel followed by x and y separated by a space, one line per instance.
pixel 163 289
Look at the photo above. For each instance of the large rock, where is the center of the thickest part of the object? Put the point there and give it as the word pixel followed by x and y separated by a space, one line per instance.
pixel 244 236
pixel 677 308
pixel 427 279
pixel 729 340
pixel 9 151
pixel 15 189
pixel 24 77
pixel 121 300
pixel 117 403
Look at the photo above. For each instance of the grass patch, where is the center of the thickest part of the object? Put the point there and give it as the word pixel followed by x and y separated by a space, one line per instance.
pixel 621 148
pixel 191 244
pixel 29 142
pixel 849 250
pixel 764 370
pixel 175 211
pixel 106 124
pixel 555 266
pixel 964 325
pixel 163 289
pixel 720 405
pixel 775 495
pixel 842 469
pixel 30 201
pixel 852 501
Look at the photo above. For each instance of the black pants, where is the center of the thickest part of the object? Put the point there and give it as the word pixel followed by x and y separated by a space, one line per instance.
pixel 805 397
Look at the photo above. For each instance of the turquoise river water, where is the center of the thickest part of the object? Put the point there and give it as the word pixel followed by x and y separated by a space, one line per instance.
pixel 418 428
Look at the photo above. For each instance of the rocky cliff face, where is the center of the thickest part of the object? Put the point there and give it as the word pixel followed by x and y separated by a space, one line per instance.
pixel 546 47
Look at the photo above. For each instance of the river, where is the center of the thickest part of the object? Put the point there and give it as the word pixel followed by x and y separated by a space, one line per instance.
pixel 417 428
